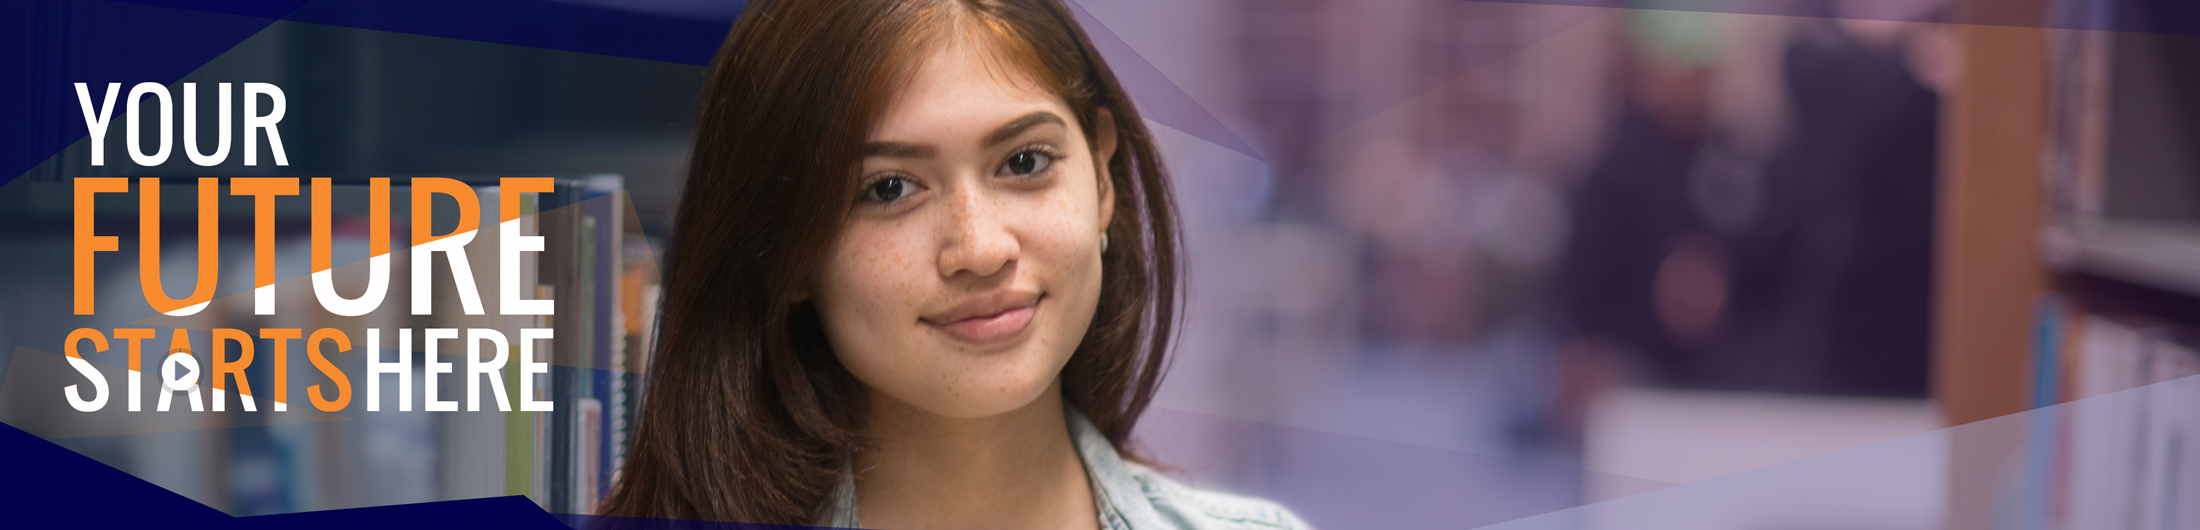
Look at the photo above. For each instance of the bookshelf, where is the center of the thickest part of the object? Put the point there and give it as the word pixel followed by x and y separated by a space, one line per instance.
pixel 2068 275
pixel 597 263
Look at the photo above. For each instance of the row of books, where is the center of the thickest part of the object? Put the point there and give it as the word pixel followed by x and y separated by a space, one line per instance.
pixel 601 269
pixel 597 264
pixel 2115 419
pixel 2133 425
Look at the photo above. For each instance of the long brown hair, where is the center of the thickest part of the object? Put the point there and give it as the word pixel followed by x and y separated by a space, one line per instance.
pixel 748 416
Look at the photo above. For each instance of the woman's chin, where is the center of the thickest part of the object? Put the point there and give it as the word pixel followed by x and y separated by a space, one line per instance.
pixel 984 397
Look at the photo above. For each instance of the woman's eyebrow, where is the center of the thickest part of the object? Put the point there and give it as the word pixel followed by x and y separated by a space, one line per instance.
pixel 898 150
pixel 1018 125
pixel 1004 133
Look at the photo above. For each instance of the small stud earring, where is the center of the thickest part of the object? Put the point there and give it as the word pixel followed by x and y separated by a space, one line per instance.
pixel 1103 241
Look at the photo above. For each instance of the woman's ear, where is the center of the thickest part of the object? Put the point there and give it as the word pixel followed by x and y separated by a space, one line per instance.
pixel 1104 128
pixel 1104 152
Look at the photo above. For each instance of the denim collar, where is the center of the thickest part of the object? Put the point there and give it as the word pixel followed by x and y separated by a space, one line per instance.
pixel 1121 501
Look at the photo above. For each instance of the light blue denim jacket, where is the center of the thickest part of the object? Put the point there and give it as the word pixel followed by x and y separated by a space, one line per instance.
pixel 1131 496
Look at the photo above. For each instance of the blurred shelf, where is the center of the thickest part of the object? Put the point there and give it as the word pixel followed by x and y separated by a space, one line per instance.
pixel 2162 255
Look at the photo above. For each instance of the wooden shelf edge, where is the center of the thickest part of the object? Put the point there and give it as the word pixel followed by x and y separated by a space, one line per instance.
pixel 2162 255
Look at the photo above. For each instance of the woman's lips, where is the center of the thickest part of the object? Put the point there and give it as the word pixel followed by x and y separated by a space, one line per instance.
pixel 984 329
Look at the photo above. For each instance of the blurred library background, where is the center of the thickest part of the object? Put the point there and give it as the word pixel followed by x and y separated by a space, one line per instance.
pixel 1861 264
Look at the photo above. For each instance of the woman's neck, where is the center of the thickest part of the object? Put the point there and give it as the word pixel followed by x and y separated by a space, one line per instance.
pixel 1014 470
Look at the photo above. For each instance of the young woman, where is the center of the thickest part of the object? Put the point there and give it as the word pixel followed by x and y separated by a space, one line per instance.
pixel 924 276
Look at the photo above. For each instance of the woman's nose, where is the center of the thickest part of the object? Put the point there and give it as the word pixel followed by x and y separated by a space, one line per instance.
pixel 978 240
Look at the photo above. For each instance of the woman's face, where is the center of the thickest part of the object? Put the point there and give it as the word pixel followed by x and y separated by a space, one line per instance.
pixel 970 265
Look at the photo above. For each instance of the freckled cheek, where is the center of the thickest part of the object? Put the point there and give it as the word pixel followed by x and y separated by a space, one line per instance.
pixel 1062 250
pixel 1061 225
pixel 878 276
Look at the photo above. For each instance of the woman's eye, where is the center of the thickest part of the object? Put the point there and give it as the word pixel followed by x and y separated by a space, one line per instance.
pixel 1026 163
pixel 887 189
